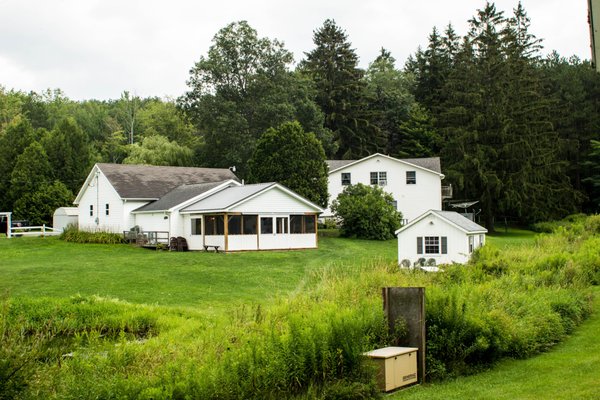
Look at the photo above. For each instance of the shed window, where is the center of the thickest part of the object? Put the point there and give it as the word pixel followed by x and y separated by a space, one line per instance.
pixel 214 225
pixel 107 209
pixel 432 245
pixel 346 178
pixel 266 225
pixel 91 210
pixel 411 177
pixel 196 226
pixel 302 224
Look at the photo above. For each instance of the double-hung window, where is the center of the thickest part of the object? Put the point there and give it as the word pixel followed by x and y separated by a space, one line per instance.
pixel 411 177
pixel 346 179
pixel 432 245
pixel 379 178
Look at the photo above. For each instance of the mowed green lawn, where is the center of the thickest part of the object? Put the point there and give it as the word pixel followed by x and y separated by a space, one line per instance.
pixel 570 371
pixel 49 267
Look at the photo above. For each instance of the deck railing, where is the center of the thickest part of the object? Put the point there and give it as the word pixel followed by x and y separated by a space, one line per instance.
pixel 147 238
pixel 447 192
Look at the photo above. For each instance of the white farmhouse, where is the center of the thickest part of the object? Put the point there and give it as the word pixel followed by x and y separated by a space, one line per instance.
pixel 415 184
pixel 443 236
pixel 208 207
pixel 112 191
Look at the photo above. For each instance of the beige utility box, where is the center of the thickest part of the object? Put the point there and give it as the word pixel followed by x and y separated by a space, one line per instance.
pixel 397 366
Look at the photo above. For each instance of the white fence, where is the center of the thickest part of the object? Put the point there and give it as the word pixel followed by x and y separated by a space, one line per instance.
pixel 42 230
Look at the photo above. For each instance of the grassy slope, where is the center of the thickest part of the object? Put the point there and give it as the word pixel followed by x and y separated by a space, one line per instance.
pixel 49 267
pixel 570 371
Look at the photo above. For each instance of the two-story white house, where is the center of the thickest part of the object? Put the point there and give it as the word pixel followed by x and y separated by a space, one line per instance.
pixel 415 183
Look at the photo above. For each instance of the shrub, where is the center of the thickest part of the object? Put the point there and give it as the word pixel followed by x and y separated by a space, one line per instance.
pixel 366 212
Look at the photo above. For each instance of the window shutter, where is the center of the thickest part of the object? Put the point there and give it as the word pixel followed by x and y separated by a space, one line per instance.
pixel 420 245
pixel 444 245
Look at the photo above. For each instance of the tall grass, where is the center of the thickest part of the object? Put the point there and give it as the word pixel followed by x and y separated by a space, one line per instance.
pixel 74 235
pixel 307 345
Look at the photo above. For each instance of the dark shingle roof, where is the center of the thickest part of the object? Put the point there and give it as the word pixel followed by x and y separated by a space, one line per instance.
pixel 153 182
pixel 335 164
pixel 179 195
pixel 431 163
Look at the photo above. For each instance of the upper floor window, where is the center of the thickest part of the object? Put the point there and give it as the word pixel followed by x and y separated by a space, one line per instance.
pixel 379 178
pixel 346 179
pixel 411 177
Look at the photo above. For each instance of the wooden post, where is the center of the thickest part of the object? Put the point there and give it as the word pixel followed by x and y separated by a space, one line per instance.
pixel 226 231
pixel 408 304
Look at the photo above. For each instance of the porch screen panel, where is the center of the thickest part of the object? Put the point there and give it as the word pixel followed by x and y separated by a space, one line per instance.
pixel 250 222
pixel 310 224
pixel 296 223
pixel 266 225
pixel 214 225
pixel 234 225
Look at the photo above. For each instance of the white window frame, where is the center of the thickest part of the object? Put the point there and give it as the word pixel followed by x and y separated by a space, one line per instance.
pixel 378 178
pixel 411 180
pixel 346 182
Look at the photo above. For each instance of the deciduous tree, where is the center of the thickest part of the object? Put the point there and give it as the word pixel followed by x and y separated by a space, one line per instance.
pixel 294 158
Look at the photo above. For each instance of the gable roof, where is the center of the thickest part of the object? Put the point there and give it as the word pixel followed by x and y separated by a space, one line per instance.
pixel 453 218
pixel 151 182
pixel 429 163
pixel 178 196
pixel 232 196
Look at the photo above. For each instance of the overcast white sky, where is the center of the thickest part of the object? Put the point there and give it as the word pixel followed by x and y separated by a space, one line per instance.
pixel 98 48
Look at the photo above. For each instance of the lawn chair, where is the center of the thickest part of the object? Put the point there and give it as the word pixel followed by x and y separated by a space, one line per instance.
pixel 173 244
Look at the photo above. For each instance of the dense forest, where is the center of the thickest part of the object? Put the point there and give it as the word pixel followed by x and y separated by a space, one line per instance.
pixel 516 130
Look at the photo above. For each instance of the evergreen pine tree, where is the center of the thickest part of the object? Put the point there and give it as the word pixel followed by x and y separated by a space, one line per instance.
pixel 333 67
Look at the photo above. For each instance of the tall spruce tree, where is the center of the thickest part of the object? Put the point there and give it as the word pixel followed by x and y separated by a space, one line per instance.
pixel 500 146
pixel 333 67
pixel 390 99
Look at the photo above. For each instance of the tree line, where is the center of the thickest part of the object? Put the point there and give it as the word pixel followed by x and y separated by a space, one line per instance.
pixel 514 129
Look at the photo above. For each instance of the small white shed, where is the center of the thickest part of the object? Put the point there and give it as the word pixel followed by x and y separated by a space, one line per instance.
pixel 64 216
pixel 443 236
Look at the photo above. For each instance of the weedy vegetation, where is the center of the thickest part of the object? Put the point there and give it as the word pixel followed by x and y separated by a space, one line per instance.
pixel 509 302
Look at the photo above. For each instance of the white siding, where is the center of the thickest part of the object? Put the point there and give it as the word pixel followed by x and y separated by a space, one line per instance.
pixel 97 194
pixel 432 225
pixel 242 242
pixel 152 222
pixel 413 199
pixel 273 201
